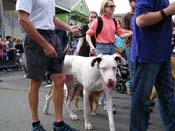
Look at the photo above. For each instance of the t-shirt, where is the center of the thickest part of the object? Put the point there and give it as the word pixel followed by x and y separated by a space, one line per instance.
pixel 151 44
pixel 108 30
pixel 41 12
pixel 10 45
pixel 20 48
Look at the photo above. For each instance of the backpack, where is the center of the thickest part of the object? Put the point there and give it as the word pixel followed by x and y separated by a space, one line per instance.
pixel 100 25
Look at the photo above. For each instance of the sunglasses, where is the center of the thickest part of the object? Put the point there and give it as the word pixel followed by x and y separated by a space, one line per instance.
pixel 93 17
pixel 110 6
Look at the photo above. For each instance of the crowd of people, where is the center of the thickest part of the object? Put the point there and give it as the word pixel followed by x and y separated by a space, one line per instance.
pixel 147 30
pixel 10 51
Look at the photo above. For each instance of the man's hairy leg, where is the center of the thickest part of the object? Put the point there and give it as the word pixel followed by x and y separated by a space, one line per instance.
pixel 33 98
pixel 58 95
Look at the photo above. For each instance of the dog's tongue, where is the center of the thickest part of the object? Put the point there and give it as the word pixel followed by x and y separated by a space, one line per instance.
pixel 110 85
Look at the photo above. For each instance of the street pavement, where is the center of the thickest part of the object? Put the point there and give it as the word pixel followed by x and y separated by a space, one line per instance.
pixel 15 114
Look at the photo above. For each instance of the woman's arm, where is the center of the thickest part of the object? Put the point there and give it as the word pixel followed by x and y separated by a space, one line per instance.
pixel 126 34
pixel 80 43
pixel 89 41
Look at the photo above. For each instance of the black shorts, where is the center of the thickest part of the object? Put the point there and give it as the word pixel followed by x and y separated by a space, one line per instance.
pixel 36 60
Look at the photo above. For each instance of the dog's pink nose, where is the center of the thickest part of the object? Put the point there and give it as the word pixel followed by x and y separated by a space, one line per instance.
pixel 111 82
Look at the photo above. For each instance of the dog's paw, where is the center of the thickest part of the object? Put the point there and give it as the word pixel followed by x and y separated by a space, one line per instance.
pixel 46 109
pixel 105 108
pixel 114 111
pixel 80 109
pixel 93 113
pixel 74 117
pixel 48 97
pixel 88 126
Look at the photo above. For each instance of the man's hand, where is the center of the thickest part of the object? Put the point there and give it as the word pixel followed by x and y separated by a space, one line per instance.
pixel 170 10
pixel 50 51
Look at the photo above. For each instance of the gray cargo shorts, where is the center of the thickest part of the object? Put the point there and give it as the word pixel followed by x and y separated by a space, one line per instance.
pixel 37 62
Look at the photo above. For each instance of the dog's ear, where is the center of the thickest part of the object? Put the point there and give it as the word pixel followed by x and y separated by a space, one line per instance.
pixel 120 59
pixel 97 59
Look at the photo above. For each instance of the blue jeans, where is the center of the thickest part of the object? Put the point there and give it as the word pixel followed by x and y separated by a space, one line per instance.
pixel 124 54
pixel 104 49
pixel 131 66
pixel 146 75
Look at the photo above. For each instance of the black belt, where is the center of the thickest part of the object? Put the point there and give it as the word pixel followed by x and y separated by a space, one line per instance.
pixel 46 31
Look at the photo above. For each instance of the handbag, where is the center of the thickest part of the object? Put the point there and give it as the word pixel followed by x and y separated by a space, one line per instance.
pixel 119 43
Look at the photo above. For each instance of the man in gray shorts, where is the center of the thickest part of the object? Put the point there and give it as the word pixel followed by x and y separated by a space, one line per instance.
pixel 43 52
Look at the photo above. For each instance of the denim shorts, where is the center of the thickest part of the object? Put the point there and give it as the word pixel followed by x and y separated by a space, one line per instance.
pixel 36 60
pixel 105 49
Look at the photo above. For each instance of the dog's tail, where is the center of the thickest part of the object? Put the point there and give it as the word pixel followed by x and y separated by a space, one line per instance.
pixel 77 88
pixel 72 91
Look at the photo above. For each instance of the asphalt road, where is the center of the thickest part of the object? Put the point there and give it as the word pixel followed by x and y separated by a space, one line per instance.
pixel 15 114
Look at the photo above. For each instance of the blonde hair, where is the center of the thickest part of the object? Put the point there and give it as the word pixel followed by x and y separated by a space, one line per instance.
pixel 102 7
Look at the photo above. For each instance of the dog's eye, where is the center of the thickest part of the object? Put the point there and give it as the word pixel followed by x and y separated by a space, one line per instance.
pixel 103 69
pixel 114 68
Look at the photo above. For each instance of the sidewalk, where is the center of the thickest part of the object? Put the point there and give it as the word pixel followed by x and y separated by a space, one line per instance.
pixel 15 115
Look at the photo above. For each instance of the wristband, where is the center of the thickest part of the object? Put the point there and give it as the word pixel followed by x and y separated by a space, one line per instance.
pixel 163 14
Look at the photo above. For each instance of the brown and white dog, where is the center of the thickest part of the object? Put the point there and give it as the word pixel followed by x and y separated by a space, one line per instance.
pixel 76 96
pixel 93 98
pixel 95 73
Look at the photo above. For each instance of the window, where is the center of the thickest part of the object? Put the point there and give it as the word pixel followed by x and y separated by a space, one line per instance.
pixel 81 7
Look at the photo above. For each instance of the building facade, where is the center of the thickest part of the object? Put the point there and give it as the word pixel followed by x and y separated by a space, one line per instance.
pixel 70 11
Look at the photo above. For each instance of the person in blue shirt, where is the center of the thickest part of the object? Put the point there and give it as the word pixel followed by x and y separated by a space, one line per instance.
pixel 151 52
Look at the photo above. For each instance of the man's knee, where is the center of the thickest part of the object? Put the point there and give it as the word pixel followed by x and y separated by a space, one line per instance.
pixel 35 83
pixel 58 78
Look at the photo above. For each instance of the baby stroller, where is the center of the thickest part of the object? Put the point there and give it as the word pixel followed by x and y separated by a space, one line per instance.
pixel 122 77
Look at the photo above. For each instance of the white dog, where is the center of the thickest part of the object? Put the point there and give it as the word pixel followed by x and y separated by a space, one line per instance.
pixel 94 73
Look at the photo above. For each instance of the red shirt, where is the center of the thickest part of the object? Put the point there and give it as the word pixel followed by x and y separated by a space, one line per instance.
pixel 107 34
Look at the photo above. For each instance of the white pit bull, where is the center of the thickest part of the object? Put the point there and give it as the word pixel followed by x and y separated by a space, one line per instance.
pixel 94 73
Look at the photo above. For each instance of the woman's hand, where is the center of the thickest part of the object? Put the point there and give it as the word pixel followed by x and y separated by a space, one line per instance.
pixel 92 51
